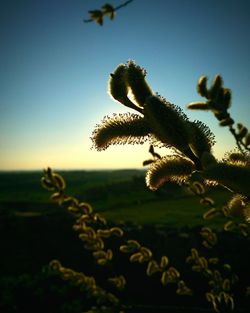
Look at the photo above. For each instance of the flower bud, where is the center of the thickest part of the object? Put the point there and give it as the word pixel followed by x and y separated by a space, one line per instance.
pixel 136 81
pixel 202 86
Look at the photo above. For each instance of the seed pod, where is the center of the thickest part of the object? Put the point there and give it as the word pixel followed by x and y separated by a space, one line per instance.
pixel 207 201
pixel 89 231
pixel 206 231
pixel 136 257
pixel 125 249
pixel 99 218
pixel 67 273
pixel 118 281
pixel 164 262
pixel 203 262
pixel 85 207
pixel 152 267
pixel 210 213
pixel 109 254
pixel 183 290
pixel 164 278
pixel 117 231
pixel 146 252
pixel 173 272
pixel 55 265
pixel 210 297
pixel 84 237
pixel 202 86
pixel 230 300
pixel 105 233
pixel 100 254
pixel 198 188
pixel 134 244
pixel 226 211
pixel 194 253
pixel 206 244
pixel 102 262
pixel 47 184
pixel 59 181
pixel 99 244
pixel 229 225
pixel 85 218
pixel 73 209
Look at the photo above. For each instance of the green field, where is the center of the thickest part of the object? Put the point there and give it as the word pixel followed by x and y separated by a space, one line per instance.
pixel 121 196
pixel 34 230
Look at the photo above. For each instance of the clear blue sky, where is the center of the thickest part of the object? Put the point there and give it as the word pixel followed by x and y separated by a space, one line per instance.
pixel 54 71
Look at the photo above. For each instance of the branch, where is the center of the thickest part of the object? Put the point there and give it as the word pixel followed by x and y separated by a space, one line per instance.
pixel 115 9
pixel 238 142
pixel 123 5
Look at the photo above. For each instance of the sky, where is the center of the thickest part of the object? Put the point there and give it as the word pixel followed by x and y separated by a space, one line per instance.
pixel 54 71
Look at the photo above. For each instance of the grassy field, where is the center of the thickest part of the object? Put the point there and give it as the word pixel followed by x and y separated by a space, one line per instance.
pixel 34 230
pixel 120 195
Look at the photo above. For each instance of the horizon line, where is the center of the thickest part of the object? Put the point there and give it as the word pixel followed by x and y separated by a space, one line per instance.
pixel 74 169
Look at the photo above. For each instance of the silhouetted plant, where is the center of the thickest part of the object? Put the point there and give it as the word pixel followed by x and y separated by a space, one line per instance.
pixel 191 164
pixel 107 10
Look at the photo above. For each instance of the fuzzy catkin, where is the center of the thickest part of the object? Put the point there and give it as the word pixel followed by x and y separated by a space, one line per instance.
pixel 170 168
pixel 120 129
pixel 167 122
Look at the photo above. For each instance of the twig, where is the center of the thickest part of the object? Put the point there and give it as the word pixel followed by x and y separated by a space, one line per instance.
pixel 239 143
pixel 115 9
pixel 123 5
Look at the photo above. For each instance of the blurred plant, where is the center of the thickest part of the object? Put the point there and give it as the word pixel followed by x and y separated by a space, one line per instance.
pixel 94 231
pixel 107 10
pixel 191 164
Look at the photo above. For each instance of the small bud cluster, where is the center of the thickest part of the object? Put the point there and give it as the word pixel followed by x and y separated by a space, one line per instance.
pixel 169 274
pixel 98 15
pixel 220 294
pixel 86 283
pixel 218 102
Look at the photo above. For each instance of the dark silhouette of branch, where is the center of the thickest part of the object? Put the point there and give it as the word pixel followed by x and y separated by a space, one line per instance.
pixel 101 14
pixel 123 5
